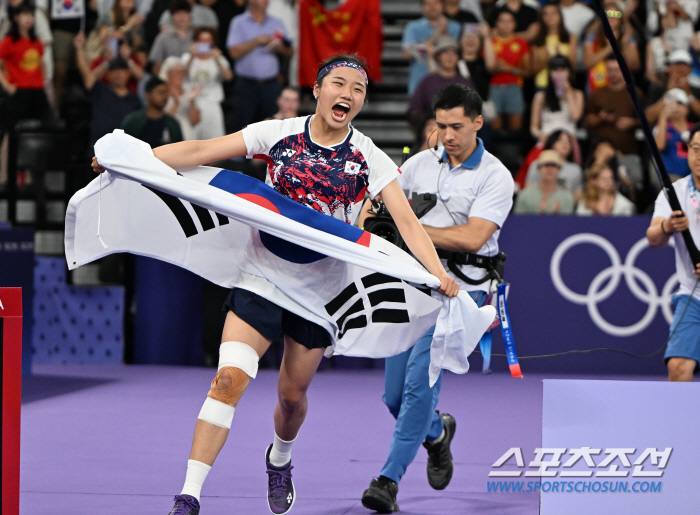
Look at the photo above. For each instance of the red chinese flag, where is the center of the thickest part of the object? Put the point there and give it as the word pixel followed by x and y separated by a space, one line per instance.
pixel 355 26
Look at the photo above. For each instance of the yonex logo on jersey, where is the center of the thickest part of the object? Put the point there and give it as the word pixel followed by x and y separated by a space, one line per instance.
pixel 390 293
pixel 352 168
pixel 289 152
pixel 177 207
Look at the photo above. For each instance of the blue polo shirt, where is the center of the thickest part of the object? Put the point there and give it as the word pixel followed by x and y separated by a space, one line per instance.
pixel 675 155
pixel 259 63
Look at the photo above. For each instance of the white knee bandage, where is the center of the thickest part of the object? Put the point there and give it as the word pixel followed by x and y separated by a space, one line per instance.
pixel 231 354
pixel 239 355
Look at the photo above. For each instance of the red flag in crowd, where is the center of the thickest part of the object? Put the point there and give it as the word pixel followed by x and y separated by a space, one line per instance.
pixel 355 26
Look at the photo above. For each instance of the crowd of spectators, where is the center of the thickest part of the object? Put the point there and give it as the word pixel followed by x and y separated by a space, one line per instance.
pixel 548 66
pixel 557 110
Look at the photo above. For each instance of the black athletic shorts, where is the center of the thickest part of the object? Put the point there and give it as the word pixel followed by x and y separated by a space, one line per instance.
pixel 272 321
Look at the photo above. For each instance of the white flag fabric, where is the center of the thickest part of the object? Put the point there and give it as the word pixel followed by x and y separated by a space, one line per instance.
pixel 236 231
pixel 67 9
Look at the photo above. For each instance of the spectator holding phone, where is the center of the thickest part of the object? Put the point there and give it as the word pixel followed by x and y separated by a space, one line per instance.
pixel 611 113
pixel 552 40
pixel 559 105
pixel 672 132
pixel 207 69
pixel 181 103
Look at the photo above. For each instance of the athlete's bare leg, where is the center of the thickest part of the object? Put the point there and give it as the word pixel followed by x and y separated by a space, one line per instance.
pixel 681 369
pixel 208 438
pixel 298 368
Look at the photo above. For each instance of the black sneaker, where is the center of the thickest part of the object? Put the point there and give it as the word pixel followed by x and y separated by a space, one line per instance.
pixel 185 505
pixel 381 495
pixel 280 488
pixel 440 464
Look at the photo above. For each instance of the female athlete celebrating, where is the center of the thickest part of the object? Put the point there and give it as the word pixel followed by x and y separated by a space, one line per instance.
pixel 322 162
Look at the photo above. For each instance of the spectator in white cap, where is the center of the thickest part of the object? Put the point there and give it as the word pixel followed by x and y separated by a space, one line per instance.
pixel 548 195
pixel 679 67
pixel 672 35
pixel 672 131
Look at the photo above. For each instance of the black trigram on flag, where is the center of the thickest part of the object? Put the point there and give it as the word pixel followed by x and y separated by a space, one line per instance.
pixel 355 317
pixel 177 207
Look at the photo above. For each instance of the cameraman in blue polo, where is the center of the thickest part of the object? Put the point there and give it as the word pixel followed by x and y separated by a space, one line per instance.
pixel 474 196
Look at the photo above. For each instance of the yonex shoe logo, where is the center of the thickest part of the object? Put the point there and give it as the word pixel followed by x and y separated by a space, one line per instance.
pixel 182 214
pixel 346 320
pixel 289 497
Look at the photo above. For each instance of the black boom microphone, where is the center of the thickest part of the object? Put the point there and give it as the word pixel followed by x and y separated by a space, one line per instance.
pixel 648 137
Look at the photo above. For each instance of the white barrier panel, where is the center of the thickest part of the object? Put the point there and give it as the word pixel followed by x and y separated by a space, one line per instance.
pixel 617 447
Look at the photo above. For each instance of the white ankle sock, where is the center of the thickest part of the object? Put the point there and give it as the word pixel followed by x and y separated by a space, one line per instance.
pixel 196 474
pixel 281 452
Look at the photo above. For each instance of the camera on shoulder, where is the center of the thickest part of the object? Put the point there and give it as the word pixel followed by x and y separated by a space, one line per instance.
pixel 384 226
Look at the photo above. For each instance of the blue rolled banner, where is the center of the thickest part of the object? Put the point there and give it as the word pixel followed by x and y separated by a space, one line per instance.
pixel 507 332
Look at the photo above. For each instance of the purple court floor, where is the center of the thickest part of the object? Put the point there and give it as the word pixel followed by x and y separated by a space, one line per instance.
pixel 115 441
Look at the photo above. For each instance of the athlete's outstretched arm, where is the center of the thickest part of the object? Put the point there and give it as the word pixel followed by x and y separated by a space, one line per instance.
pixel 188 154
pixel 415 236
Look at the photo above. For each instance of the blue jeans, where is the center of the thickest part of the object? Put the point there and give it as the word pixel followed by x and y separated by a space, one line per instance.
pixel 412 402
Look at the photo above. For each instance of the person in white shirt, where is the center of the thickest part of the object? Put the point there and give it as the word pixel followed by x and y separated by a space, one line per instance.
pixel 683 347
pixel 474 196
pixel 577 17
pixel 207 69
pixel 601 196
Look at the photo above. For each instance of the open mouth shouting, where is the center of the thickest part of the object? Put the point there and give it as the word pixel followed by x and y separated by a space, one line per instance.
pixel 340 111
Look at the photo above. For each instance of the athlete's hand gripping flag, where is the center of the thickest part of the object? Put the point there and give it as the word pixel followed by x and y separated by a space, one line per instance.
pixel 236 231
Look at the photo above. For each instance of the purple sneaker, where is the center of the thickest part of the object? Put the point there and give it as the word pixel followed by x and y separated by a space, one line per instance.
pixel 185 505
pixel 280 488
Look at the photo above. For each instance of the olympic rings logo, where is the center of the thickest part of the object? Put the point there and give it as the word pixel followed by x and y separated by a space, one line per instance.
pixel 596 293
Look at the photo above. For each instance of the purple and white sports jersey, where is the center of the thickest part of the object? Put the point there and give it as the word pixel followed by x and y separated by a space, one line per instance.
pixel 332 180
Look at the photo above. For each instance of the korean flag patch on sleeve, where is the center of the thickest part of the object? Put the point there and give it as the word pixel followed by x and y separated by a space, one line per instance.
pixel 352 168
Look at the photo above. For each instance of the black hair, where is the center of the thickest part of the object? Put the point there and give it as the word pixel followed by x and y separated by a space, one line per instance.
pixel 24 7
pixel 201 30
pixel 350 58
pixel 289 88
pixel 695 129
pixel 551 100
pixel 613 163
pixel 153 83
pixel 554 137
pixel 179 5
pixel 456 95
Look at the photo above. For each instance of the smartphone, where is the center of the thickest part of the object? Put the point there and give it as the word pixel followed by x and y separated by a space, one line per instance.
pixel 113 45
pixel 203 48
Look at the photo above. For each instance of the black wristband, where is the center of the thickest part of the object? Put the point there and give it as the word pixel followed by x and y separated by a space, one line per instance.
pixel 664 230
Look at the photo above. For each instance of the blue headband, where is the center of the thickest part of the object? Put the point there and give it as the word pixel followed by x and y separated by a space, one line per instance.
pixel 339 64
